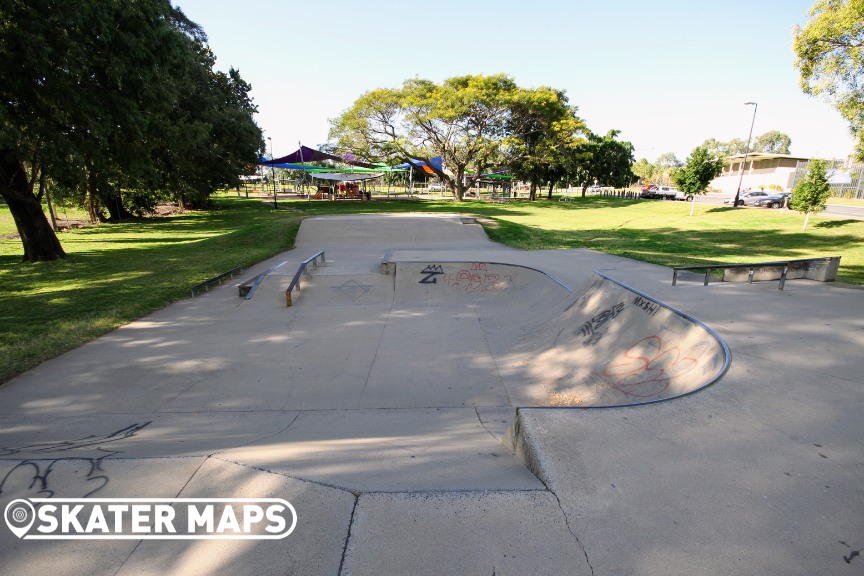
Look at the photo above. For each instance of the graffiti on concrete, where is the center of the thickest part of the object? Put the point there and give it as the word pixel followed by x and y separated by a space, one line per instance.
pixel 477 278
pixel 647 368
pixel 352 290
pixel 648 306
pixel 590 328
pixel 430 274
pixel 93 441
pixel 64 468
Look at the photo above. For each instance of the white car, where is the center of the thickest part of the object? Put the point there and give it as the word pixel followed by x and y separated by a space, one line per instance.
pixel 746 198
pixel 437 187
pixel 670 193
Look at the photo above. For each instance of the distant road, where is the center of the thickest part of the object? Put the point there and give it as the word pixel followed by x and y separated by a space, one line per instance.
pixel 838 211
pixel 833 210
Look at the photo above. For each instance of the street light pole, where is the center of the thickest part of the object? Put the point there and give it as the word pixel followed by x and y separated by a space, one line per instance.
pixel 746 151
pixel 272 171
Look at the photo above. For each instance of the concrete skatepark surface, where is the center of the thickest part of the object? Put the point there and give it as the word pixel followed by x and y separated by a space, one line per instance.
pixel 406 407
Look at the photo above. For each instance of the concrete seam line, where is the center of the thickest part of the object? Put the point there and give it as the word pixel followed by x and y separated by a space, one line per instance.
pixel 261 438
pixel 286 475
pixel 185 484
pixel 378 346
pixel 494 360
pixel 480 420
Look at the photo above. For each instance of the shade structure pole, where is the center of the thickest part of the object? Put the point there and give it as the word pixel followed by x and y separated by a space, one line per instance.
pixel 272 171
pixel 308 193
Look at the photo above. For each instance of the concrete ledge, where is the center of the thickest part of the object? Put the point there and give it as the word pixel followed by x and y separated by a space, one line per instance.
pixel 821 269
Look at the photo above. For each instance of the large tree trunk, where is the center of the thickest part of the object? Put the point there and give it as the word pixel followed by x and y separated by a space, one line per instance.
pixel 532 194
pixel 113 202
pixel 459 188
pixel 551 188
pixel 40 242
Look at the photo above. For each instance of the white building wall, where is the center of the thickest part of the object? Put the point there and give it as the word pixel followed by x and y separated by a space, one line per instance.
pixel 780 176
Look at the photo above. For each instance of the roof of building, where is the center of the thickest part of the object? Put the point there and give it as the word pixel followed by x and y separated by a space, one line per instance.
pixel 755 156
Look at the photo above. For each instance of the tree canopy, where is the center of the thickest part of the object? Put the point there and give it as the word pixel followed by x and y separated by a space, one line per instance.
pixel 701 167
pixel 605 160
pixel 811 193
pixel 546 138
pixel 115 101
pixel 463 120
pixel 830 60
pixel 773 142
pixel 475 123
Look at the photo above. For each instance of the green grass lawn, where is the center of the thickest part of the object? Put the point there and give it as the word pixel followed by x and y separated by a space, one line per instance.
pixel 118 272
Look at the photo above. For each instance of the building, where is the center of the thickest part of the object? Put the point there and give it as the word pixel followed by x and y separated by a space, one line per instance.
pixel 763 171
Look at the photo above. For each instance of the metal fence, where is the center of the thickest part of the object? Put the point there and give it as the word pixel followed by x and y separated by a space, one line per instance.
pixel 851 187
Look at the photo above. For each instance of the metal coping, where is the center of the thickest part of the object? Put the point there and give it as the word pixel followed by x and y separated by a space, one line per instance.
pixel 550 276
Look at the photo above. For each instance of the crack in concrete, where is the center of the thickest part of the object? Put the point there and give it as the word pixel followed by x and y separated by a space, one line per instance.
pixel 348 535
pixel 570 529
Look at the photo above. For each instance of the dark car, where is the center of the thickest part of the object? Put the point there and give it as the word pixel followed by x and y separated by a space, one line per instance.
pixel 773 201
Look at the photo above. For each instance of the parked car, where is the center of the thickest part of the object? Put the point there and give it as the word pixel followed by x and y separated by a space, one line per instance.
pixel 664 193
pixel 679 195
pixel 436 187
pixel 773 200
pixel 746 198
pixel 648 192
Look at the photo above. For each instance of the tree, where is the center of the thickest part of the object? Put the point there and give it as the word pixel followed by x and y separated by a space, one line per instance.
pixel 644 170
pixel 830 60
pixel 772 142
pixel 545 134
pixel 665 166
pixel 811 192
pixel 604 159
pixel 94 107
pixel 716 147
pixel 466 120
pixel 736 146
pixel 701 167
pixel 210 136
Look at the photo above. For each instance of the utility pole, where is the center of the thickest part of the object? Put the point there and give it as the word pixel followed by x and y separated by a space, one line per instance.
pixel 746 151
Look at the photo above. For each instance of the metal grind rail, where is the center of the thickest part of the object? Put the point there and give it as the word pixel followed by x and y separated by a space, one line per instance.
pixel 295 282
pixel 248 290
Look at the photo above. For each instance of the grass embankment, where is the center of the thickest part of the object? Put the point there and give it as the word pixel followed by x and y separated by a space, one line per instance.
pixel 116 273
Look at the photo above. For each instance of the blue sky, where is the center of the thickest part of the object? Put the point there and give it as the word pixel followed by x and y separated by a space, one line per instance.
pixel 668 75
